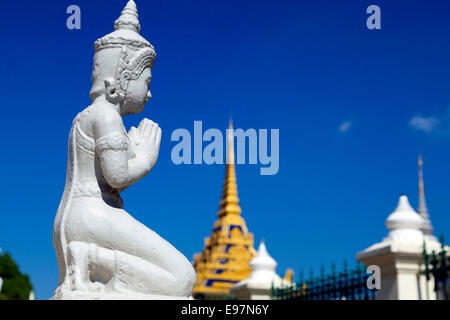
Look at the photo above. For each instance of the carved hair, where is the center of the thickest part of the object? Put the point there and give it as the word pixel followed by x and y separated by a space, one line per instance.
pixel 131 68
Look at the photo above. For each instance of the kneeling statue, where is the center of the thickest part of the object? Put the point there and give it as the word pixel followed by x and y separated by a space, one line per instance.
pixel 102 251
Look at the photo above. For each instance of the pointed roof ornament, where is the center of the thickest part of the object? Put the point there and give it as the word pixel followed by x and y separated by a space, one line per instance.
pixel 404 223
pixel 263 260
pixel 427 228
pixel 263 278
pixel 129 18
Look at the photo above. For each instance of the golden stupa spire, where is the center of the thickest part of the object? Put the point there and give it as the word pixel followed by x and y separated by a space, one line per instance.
pixel 225 259
pixel 230 201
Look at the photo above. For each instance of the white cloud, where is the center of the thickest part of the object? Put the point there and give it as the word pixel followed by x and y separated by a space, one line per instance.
pixel 345 126
pixel 424 124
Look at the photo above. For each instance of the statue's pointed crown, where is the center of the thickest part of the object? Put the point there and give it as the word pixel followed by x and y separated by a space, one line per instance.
pixel 126 31
pixel 129 18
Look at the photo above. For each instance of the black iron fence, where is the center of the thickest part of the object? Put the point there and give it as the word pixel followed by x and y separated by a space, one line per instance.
pixel 437 264
pixel 345 285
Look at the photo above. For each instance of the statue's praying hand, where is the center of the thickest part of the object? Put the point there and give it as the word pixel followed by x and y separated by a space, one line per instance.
pixel 146 140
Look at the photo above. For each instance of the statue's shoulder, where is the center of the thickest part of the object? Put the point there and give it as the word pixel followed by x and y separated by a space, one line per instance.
pixel 105 119
pixel 105 116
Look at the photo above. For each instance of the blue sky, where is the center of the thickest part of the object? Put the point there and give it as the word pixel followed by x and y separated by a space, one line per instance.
pixel 354 108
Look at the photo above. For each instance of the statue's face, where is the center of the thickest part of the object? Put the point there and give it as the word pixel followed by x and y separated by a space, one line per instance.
pixel 138 93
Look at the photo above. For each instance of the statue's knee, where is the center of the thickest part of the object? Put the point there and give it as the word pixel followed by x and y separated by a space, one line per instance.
pixel 185 277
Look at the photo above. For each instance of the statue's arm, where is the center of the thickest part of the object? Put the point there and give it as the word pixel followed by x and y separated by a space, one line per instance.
pixel 111 147
pixel 117 170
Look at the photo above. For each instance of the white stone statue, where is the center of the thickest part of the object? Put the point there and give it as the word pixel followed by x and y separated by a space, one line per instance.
pixel 102 251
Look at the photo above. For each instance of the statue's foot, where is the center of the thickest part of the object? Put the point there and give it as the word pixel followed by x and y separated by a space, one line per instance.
pixel 78 265
pixel 96 270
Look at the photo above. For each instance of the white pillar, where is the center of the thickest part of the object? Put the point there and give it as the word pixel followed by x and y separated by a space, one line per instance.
pixel 400 265
pixel 400 257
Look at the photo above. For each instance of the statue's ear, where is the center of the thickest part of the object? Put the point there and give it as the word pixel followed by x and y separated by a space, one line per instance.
pixel 110 85
pixel 112 93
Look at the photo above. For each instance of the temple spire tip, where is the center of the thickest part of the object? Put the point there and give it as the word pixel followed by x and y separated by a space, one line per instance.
pixel 230 142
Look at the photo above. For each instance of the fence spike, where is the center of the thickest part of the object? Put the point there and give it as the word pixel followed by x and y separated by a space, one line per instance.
pixel 358 267
pixel 442 240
